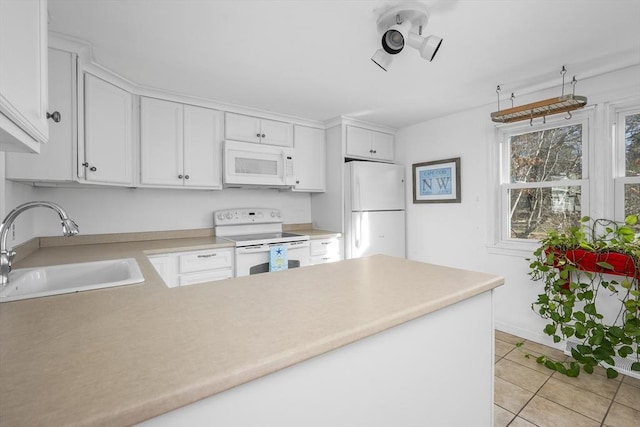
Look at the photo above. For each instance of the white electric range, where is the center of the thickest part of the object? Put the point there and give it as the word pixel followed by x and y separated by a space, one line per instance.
pixel 255 231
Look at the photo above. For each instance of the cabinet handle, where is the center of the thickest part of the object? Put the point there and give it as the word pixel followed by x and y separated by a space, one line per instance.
pixel 371 151
pixel 93 168
pixel 375 151
pixel 297 182
pixel 179 176
pixel 258 135
pixel 55 116
pixel 85 164
pixel 263 135
pixel 186 177
pixel 325 243
pixel 206 255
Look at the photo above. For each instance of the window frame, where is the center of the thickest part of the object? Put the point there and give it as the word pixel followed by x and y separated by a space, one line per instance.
pixel 619 113
pixel 502 241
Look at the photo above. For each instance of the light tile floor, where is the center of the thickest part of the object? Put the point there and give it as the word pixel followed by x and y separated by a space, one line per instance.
pixel 528 394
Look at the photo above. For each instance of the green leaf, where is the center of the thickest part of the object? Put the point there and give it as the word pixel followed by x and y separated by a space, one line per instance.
pixel 588 368
pixel 635 366
pixel 583 349
pixel 541 359
pixel 567 331
pixel 549 364
pixel 631 219
pixel 550 329
pixel 611 373
pixel 519 344
pixel 625 350
pixel 560 368
pixel 556 339
pixel 604 265
pixel 574 370
pixel 579 316
pixel 626 284
pixel 616 331
pixel 590 309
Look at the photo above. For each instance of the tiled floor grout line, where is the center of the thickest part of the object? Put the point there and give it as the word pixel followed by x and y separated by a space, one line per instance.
pixel 613 399
pixel 513 358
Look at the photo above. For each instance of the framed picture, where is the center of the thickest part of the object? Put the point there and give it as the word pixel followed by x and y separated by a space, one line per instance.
pixel 437 181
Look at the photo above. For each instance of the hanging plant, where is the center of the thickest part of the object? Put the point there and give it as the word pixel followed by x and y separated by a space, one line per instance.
pixel 576 266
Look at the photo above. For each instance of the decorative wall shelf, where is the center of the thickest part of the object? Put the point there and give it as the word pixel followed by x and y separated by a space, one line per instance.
pixel 537 109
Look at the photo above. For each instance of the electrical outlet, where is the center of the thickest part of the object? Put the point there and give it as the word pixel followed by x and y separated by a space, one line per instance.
pixel 13 232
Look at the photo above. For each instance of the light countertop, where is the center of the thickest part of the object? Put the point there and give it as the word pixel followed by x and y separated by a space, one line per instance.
pixel 121 355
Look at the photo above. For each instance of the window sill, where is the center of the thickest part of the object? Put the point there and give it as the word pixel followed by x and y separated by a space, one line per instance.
pixel 517 249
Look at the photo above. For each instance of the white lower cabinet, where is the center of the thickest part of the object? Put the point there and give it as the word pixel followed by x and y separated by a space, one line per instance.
pixel 188 268
pixel 325 250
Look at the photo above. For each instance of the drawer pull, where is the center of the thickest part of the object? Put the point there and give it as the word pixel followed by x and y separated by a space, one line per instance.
pixel 325 243
pixel 206 255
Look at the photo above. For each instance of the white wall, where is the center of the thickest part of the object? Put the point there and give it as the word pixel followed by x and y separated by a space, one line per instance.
pixel 458 234
pixel 119 210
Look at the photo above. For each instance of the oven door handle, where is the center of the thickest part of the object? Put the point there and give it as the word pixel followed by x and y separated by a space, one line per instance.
pixel 252 249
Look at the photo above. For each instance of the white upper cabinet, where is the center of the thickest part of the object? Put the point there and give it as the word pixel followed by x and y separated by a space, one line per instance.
pixel 369 144
pixel 57 159
pixel 179 145
pixel 310 159
pixel 23 75
pixel 239 127
pixel 108 134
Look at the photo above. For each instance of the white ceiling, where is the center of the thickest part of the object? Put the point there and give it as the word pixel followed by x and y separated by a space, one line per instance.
pixel 311 58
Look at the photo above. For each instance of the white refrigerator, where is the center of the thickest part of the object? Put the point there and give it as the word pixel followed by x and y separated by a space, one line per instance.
pixel 374 209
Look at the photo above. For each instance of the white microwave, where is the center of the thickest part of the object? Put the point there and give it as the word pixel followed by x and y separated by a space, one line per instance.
pixel 250 164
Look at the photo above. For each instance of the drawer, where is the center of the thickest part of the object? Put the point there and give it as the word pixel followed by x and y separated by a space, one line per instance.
pixel 205 260
pixel 325 246
pixel 204 276
pixel 323 259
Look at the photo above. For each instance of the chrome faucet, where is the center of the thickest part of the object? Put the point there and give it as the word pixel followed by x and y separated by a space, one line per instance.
pixel 69 228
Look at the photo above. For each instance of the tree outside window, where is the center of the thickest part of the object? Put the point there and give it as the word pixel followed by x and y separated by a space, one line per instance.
pixel 543 181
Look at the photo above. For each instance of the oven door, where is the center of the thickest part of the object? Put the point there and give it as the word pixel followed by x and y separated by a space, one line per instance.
pixel 255 259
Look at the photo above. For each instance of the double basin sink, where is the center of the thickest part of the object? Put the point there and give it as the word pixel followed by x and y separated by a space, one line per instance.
pixel 37 282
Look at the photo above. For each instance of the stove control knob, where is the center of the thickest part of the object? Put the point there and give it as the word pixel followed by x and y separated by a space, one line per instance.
pixel 273 214
pixel 220 215
pixel 278 214
pixel 229 215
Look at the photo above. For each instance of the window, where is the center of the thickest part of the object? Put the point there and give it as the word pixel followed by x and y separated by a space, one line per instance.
pixel 544 178
pixel 627 180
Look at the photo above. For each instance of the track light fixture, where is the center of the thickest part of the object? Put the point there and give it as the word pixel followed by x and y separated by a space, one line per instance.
pixel 402 25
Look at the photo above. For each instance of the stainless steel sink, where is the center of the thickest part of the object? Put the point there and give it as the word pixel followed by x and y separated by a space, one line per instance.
pixel 38 282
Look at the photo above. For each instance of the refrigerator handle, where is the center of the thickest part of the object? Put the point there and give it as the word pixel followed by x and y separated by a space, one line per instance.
pixel 355 203
pixel 358 230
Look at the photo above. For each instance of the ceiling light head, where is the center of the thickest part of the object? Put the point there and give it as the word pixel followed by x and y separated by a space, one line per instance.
pixel 382 59
pixel 394 38
pixel 427 46
pixel 400 25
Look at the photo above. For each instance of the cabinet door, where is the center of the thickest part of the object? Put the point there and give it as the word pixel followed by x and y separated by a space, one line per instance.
pixel 310 161
pixel 239 127
pixel 358 142
pixel 23 75
pixel 56 159
pixel 202 149
pixel 382 144
pixel 161 142
pixel 276 133
pixel 108 140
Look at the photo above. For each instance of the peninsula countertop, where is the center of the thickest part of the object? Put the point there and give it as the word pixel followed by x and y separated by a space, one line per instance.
pixel 121 355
